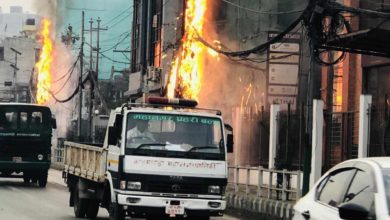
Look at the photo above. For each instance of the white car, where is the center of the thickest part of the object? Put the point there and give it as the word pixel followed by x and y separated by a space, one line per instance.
pixel 354 189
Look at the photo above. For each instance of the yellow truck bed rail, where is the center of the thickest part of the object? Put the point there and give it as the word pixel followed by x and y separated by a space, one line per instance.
pixel 85 161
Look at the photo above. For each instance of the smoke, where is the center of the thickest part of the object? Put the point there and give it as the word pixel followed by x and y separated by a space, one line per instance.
pixel 230 82
pixel 64 81
pixel 235 86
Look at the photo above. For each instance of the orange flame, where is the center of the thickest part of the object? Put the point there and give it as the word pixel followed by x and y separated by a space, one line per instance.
pixel 186 74
pixel 43 66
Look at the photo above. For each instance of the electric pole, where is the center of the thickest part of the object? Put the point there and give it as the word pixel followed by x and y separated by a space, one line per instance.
pixel 91 84
pixel 81 76
pixel 96 86
pixel 95 76
pixel 15 67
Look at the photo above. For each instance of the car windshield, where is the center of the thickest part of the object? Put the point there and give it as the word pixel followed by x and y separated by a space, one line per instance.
pixel 386 179
pixel 168 135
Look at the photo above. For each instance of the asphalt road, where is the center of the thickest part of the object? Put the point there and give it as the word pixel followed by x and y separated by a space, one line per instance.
pixel 29 202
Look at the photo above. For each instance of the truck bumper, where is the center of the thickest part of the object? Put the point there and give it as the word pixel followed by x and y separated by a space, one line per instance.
pixel 25 165
pixel 156 205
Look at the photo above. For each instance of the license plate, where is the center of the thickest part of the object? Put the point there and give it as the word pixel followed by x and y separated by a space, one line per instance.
pixel 173 210
pixel 17 159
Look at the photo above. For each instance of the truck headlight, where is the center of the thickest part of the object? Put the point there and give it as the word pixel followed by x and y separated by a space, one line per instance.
pixel 134 185
pixel 214 189
pixel 122 184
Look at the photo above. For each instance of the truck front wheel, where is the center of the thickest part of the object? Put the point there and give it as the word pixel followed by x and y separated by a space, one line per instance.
pixel 26 177
pixel 42 181
pixel 116 212
pixel 92 209
pixel 79 205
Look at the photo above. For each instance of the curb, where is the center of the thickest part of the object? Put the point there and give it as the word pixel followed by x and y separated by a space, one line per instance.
pixel 57 166
pixel 259 207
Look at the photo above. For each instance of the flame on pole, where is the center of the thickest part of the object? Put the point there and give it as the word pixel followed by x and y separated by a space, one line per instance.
pixel 44 65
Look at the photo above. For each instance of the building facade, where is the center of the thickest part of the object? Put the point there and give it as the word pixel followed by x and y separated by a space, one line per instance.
pixel 17 68
pixel 17 23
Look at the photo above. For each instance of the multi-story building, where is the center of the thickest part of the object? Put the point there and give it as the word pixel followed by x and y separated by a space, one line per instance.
pixel 17 23
pixel 16 68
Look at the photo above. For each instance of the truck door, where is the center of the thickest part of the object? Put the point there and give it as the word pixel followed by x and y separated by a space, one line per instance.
pixel 114 148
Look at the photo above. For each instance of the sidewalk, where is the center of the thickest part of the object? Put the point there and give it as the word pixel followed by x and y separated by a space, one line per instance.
pixel 55 176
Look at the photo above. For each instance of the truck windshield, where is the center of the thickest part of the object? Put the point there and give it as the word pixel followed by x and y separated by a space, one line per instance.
pixel 166 135
pixel 22 120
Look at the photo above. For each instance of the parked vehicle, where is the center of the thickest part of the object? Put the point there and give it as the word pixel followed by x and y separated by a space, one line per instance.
pixel 25 141
pixel 355 189
pixel 157 159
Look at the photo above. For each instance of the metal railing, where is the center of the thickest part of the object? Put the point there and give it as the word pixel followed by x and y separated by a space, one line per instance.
pixel 267 183
pixel 59 155
pixel 59 152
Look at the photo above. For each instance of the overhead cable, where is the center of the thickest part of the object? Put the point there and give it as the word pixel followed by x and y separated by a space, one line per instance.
pixel 262 12
pixel 117 44
pixel 71 96
pixel 112 60
pixel 262 47
pixel 112 19
pixel 120 21
pixel 368 12
pixel 68 72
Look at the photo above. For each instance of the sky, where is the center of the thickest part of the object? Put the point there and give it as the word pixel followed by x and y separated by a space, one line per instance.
pixel 116 15
pixel 27 5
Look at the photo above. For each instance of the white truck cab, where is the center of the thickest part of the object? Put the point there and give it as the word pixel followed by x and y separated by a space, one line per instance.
pixel 165 160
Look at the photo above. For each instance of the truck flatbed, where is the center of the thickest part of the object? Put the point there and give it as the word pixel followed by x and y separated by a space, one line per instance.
pixel 85 161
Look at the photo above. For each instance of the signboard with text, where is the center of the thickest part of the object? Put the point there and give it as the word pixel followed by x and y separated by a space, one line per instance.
pixel 283 71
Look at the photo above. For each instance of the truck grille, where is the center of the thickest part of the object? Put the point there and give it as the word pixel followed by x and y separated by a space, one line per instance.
pixel 169 187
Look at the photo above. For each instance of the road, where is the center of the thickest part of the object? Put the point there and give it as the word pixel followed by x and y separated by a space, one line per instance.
pixel 29 202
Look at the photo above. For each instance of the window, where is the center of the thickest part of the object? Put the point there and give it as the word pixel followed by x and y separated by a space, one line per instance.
pixel 1 53
pixel 36 120
pixel 333 191
pixel 23 120
pixel 156 55
pixel 12 120
pixel 361 191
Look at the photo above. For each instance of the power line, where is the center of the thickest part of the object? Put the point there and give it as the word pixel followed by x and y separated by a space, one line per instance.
pixel 113 38
pixel 110 59
pixel 71 96
pixel 117 44
pixel 120 21
pixel 112 19
pixel 360 11
pixel 69 77
pixel 262 12
pixel 69 71
pixel 258 49
pixel 373 2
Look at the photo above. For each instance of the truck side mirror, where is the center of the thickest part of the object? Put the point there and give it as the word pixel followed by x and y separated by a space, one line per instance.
pixel 118 123
pixel 230 143
pixel 230 138
pixel 53 123
pixel 112 135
